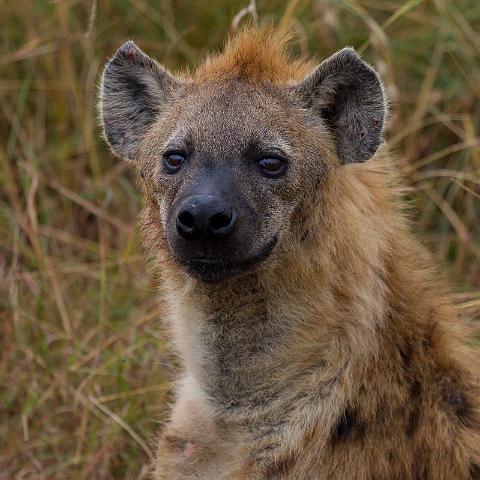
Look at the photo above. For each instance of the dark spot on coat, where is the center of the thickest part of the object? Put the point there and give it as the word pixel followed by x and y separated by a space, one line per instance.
pixel 412 422
pixel 415 390
pixel 305 235
pixel 474 471
pixel 406 354
pixel 348 427
pixel 458 403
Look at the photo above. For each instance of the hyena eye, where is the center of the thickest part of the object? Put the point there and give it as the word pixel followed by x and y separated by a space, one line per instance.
pixel 272 166
pixel 173 161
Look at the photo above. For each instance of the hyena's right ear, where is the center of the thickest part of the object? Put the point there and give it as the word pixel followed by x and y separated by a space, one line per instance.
pixel 348 94
pixel 134 89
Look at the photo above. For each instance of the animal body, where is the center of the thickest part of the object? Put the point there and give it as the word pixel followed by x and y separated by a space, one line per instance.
pixel 315 338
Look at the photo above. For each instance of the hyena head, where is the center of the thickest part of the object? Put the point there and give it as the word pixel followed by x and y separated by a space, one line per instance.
pixel 234 155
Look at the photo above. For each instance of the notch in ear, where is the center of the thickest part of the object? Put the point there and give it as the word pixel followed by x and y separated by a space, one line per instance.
pixel 347 93
pixel 133 91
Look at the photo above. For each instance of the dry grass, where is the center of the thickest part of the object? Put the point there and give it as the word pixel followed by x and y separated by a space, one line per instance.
pixel 83 371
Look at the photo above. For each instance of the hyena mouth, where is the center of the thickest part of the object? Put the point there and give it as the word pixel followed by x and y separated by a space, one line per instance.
pixel 211 269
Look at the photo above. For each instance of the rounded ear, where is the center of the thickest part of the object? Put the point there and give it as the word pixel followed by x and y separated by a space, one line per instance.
pixel 133 90
pixel 347 93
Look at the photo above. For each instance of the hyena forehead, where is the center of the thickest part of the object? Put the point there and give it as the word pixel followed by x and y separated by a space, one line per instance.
pixel 230 118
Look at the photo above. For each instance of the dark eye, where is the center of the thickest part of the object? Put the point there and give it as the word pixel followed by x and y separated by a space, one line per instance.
pixel 272 166
pixel 173 161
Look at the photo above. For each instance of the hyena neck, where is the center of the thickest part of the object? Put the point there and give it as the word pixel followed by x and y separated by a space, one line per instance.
pixel 250 339
pixel 228 339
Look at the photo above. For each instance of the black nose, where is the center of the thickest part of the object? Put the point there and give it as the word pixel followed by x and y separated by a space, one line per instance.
pixel 205 216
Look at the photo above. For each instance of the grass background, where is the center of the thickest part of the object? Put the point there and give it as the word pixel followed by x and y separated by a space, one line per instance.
pixel 84 369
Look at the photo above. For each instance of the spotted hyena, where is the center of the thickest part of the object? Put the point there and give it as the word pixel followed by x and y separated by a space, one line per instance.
pixel 315 338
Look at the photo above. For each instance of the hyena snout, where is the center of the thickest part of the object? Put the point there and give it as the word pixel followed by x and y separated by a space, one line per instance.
pixel 204 217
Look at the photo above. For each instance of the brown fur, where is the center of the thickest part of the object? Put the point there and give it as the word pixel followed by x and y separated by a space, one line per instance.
pixel 258 55
pixel 342 356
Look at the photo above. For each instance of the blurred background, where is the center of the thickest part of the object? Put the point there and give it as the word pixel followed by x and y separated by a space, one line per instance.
pixel 84 367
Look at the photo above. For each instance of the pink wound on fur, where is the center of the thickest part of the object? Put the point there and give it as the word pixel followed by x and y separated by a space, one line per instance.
pixel 132 54
pixel 188 449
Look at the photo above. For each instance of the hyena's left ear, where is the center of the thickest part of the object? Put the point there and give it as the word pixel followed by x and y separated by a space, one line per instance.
pixel 348 95
pixel 134 90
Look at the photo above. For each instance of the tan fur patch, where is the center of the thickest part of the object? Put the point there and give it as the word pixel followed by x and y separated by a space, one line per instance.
pixel 255 55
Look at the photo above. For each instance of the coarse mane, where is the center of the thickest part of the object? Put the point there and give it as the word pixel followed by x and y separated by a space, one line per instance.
pixel 254 54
